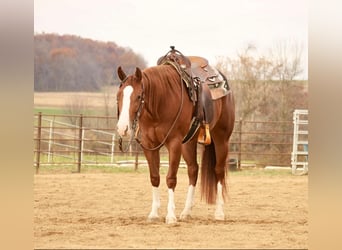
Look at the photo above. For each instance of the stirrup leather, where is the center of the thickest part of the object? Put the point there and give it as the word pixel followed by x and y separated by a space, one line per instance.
pixel 204 135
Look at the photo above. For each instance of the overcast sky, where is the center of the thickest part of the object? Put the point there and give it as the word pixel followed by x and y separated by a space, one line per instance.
pixel 208 28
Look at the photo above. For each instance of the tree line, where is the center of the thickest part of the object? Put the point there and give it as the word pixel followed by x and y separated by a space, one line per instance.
pixel 72 63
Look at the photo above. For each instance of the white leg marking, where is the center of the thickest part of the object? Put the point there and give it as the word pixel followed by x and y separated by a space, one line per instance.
pixel 171 217
pixel 123 123
pixel 189 203
pixel 155 204
pixel 219 214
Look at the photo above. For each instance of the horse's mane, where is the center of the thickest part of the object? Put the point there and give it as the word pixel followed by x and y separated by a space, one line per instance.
pixel 159 82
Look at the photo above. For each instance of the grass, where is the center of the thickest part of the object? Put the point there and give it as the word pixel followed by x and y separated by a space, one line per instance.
pixel 260 172
pixel 66 167
pixel 91 169
pixel 64 111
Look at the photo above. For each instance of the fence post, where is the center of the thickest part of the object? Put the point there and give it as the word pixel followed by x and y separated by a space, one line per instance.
pixel 39 132
pixel 240 143
pixel 50 139
pixel 112 149
pixel 80 144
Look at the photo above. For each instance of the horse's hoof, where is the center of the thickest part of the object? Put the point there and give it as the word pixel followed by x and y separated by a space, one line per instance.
pixel 184 216
pixel 153 219
pixel 171 220
pixel 219 217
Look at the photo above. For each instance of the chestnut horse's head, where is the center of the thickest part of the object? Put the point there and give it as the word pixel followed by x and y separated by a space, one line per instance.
pixel 129 100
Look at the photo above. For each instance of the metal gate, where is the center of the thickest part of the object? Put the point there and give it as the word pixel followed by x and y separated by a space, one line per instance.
pixel 300 154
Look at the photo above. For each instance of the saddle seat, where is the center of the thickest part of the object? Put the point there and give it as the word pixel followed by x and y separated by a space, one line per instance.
pixel 208 75
pixel 201 68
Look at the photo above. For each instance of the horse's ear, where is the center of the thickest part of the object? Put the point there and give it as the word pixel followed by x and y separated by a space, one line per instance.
pixel 122 75
pixel 138 74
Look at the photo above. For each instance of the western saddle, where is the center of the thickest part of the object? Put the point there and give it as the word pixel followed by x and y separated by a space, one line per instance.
pixel 204 84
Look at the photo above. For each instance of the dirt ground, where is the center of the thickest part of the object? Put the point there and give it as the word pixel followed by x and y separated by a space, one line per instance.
pixel 109 211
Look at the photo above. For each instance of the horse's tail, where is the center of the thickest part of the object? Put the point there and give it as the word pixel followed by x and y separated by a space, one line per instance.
pixel 208 175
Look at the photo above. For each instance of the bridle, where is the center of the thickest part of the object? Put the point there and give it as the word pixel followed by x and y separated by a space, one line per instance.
pixel 135 124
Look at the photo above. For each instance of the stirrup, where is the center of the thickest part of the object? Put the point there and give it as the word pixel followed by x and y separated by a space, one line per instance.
pixel 204 135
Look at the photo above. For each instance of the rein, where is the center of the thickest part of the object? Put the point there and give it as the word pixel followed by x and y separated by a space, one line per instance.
pixel 135 124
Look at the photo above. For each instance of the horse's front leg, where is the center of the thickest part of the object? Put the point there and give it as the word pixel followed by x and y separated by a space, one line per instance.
pixel 171 180
pixel 189 151
pixel 153 164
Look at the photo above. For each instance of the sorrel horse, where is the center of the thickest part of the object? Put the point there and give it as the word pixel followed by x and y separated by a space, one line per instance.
pixel 153 105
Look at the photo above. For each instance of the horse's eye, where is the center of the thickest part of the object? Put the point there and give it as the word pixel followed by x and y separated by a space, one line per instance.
pixel 139 97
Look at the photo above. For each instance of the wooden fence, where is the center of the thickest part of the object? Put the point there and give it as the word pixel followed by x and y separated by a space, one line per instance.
pixel 80 140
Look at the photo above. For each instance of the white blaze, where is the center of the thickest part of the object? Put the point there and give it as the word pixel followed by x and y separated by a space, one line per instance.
pixel 123 123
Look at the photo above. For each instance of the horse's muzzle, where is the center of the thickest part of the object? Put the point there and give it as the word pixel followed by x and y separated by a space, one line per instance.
pixel 123 131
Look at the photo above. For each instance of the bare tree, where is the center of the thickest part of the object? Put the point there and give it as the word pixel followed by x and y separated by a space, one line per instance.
pixel 109 99
pixel 75 106
pixel 263 85
pixel 286 57
pixel 249 77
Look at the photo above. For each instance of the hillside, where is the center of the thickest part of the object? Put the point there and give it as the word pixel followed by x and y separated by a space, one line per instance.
pixel 72 63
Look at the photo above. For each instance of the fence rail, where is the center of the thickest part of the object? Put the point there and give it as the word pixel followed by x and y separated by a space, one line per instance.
pixel 80 140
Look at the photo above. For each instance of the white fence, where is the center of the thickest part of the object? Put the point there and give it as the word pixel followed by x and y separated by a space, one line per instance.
pixel 93 133
pixel 81 140
pixel 300 154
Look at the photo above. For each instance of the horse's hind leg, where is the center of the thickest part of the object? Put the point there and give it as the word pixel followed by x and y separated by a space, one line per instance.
pixel 189 151
pixel 220 171
pixel 153 163
pixel 219 213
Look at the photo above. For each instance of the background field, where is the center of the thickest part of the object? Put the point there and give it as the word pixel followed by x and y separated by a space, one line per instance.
pixel 60 99
pixel 266 209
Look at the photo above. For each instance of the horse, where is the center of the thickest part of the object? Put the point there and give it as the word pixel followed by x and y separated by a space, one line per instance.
pixel 154 107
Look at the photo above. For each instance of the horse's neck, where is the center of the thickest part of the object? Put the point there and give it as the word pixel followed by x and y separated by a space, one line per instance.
pixel 160 94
